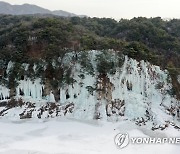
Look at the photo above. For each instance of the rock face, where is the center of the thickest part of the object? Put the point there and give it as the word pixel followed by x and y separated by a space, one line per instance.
pixel 135 91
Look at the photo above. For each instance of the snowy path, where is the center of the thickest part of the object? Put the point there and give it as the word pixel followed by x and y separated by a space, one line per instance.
pixel 66 136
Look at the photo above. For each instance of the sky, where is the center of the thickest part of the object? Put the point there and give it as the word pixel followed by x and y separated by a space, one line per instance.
pixel 116 9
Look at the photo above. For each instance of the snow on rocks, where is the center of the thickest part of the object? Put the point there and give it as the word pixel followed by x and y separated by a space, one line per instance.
pixel 137 91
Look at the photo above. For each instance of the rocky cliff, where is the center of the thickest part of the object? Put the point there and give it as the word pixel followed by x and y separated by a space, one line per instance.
pixel 99 85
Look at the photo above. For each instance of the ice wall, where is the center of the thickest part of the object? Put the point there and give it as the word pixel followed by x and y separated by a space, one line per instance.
pixel 144 89
pixel 33 91
pixel 28 88
pixel 79 95
pixel 4 93
pixel 137 90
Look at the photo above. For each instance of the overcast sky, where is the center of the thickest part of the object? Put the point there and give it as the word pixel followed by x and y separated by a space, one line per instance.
pixel 111 8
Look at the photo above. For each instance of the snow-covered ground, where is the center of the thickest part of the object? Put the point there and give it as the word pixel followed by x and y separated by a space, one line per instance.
pixel 67 136
pixel 137 92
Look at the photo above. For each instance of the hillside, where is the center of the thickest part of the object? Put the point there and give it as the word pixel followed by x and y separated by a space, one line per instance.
pixel 90 68
pixel 29 9
pixel 27 39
